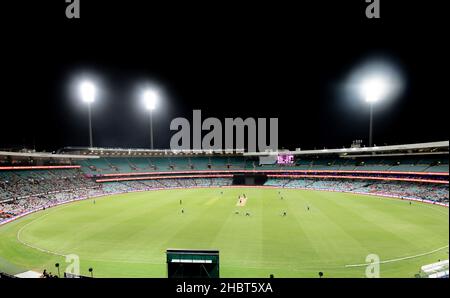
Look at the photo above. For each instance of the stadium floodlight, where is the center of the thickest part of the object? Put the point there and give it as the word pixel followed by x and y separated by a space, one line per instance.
pixel 374 88
pixel 150 98
pixel 88 92
pixel 374 82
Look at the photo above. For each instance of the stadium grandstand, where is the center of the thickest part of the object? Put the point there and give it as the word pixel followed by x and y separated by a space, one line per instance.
pixel 31 181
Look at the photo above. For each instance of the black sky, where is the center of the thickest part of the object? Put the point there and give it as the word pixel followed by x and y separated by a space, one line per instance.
pixel 228 59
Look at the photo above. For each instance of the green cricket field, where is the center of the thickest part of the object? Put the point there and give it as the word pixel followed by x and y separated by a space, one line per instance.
pixel 127 235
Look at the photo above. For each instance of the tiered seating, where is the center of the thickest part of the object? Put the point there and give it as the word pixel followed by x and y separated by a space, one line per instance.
pixel 436 165
pixel 97 166
pixel 373 165
pixel 237 162
pixel 345 164
pixel 143 185
pixel 199 163
pixel 299 183
pixel 179 163
pixel 219 163
pixel 427 191
pixel 119 164
pixel 303 164
pixel 250 164
pixel 22 191
pixel 323 164
pixel 407 168
pixel 160 163
pixel 269 167
pixel 139 164
pixel 112 165
pixel 16 184
pixel 439 168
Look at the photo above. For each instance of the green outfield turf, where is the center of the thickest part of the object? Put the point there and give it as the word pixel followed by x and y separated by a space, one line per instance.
pixel 127 235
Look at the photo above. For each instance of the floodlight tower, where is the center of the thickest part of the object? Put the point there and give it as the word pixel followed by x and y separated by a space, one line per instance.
pixel 150 97
pixel 373 89
pixel 88 92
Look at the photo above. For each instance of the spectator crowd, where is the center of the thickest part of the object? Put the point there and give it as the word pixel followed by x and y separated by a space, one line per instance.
pixel 26 191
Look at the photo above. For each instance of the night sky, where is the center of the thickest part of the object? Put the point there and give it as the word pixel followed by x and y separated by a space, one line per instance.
pixel 227 59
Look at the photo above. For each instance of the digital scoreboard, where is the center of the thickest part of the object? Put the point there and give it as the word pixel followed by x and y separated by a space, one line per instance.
pixel 285 159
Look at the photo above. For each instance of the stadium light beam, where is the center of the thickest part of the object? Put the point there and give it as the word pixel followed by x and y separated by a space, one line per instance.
pixel 88 92
pixel 150 97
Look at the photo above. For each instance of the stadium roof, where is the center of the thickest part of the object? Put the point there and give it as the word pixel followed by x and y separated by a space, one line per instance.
pixel 44 155
pixel 393 150
pixel 407 149
pixel 144 152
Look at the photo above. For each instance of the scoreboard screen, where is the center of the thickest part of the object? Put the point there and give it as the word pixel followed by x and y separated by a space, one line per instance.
pixel 285 159
pixel 192 263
